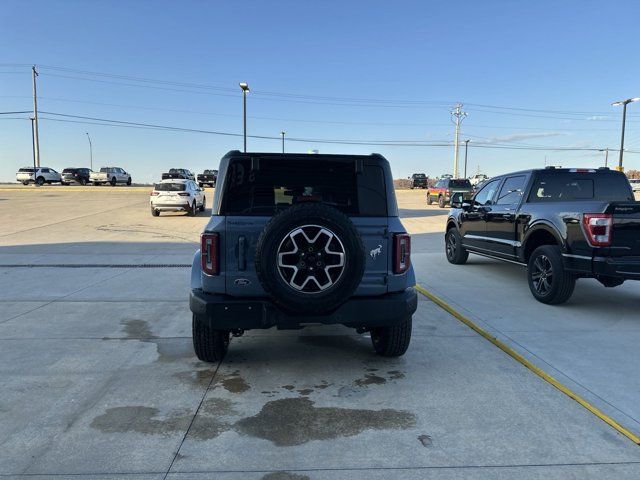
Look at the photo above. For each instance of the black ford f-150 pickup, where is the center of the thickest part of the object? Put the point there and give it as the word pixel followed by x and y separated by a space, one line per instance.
pixel 562 224
pixel 208 177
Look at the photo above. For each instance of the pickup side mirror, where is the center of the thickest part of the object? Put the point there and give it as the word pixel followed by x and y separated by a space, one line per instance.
pixel 457 200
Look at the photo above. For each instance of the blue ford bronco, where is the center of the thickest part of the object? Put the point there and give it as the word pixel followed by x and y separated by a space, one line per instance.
pixel 299 239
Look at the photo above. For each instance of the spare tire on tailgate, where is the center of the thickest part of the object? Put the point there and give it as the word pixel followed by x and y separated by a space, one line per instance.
pixel 310 258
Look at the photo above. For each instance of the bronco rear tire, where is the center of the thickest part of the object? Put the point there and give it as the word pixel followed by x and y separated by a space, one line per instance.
pixel 210 345
pixel 392 341
pixel 310 258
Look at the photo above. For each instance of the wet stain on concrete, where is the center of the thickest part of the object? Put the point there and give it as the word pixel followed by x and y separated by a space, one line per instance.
pixel 136 328
pixel 351 392
pixel 370 379
pixel 425 440
pixel 294 421
pixel 141 420
pixel 284 476
pixel 196 378
pixel 343 343
pixel 288 387
pixel 172 349
pixel 305 391
pixel 323 385
pixel 395 374
pixel 232 382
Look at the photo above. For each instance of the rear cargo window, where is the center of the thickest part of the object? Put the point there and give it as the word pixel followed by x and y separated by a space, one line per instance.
pixel 170 187
pixel 278 184
pixel 569 186
pixel 459 184
pixel 28 170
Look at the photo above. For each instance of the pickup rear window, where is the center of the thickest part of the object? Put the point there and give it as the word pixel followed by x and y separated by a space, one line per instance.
pixel 170 187
pixel 569 186
pixel 279 183
pixel 26 170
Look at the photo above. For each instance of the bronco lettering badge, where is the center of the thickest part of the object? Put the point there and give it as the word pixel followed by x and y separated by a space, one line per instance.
pixel 242 282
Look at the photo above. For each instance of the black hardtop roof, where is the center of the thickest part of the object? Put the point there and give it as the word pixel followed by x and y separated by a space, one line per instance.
pixel 374 157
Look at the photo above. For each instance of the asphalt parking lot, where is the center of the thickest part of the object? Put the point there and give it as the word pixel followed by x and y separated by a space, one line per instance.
pixel 99 380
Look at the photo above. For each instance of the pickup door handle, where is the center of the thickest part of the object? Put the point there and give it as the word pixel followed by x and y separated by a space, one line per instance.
pixel 242 260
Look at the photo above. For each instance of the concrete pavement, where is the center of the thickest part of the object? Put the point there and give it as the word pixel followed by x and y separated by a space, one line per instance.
pixel 99 379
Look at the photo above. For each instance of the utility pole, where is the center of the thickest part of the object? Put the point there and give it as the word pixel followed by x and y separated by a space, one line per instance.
pixel 624 104
pixel 606 156
pixel 33 148
pixel 466 147
pixel 90 151
pixel 36 141
pixel 457 115
pixel 283 134
pixel 245 88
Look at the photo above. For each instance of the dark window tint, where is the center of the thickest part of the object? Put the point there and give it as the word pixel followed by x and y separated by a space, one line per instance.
pixel 511 191
pixel 419 175
pixel 280 183
pixel 170 187
pixel 69 170
pixel 440 184
pixel 486 194
pixel 460 183
pixel 28 170
pixel 45 170
pixel 568 186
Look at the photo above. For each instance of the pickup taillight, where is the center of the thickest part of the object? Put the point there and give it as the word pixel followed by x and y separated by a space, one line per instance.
pixel 209 253
pixel 401 252
pixel 154 194
pixel 599 228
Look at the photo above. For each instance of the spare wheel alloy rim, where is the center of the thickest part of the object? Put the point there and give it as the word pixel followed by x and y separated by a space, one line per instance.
pixel 311 259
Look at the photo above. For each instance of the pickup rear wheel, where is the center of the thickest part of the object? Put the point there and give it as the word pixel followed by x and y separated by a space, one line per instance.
pixel 210 345
pixel 549 282
pixel 113 182
pixel 456 253
pixel 392 341
pixel 441 203
pixel 40 181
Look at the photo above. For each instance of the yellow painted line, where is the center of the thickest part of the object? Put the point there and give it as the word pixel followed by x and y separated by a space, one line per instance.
pixel 541 373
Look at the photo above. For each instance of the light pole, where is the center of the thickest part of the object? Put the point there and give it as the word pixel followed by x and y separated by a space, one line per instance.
pixel 283 134
pixel 245 89
pixel 606 156
pixel 466 147
pixel 624 104
pixel 457 115
pixel 33 147
pixel 90 151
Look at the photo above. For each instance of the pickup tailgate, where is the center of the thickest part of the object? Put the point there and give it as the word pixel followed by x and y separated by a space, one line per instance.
pixel 626 228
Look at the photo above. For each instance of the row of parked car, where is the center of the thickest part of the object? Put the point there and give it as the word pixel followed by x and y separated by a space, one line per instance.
pixel 82 176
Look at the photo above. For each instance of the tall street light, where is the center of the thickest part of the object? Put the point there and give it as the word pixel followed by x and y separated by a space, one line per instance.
pixel 466 147
pixel 624 104
pixel 283 134
pixel 245 89
pixel 606 155
pixel 90 151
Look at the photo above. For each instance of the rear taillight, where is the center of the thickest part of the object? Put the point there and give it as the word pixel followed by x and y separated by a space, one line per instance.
pixel 401 252
pixel 598 228
pixel 209 253
pixel 183 194
pixel 154 194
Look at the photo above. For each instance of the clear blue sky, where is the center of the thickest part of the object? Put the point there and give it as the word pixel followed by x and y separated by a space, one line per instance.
pixel 574 57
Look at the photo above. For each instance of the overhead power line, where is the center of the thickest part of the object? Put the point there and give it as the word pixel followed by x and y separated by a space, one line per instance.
pixel 393 143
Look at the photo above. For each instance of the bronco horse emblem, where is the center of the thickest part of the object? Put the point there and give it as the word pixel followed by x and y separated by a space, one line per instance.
pixel 375 252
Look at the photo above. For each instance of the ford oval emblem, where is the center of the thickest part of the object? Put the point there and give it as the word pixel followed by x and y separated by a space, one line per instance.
pixel 242 282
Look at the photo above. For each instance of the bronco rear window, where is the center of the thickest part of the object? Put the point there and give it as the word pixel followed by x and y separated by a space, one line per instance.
pixel 280 183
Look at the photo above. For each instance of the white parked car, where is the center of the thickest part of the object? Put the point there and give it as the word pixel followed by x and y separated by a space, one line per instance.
pixel 477 178
pixel 177 195
pixel 635 184
pixel 112 175
pixel 42 175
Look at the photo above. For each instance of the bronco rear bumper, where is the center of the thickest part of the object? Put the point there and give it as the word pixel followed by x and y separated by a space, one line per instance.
pixel 225 312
